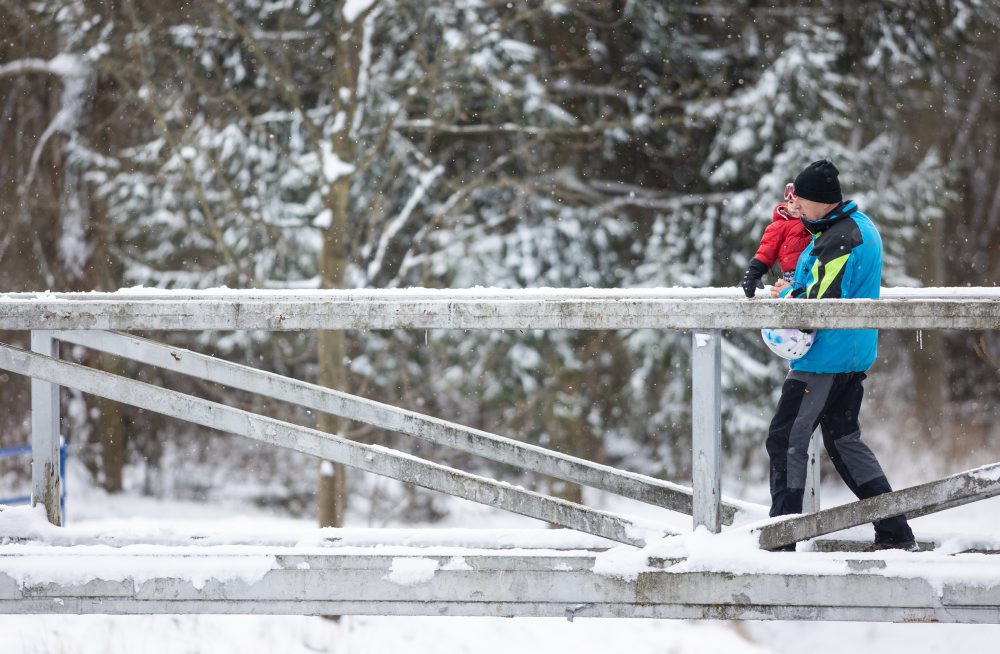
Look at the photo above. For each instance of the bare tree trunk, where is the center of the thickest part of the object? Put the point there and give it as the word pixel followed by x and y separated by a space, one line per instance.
pixel 111 430
pixel 927 354
pixel 332 491
pixel 111 426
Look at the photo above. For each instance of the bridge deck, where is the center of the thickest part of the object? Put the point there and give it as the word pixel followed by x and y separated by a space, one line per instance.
pixel 484 583
pixel 536 572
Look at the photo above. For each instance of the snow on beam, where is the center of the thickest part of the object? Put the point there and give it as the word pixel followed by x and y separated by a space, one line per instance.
pixel 388 540
pixel 64 581
pixel 963 488
pixel 491 446
pixel 451 309
pixel 369 458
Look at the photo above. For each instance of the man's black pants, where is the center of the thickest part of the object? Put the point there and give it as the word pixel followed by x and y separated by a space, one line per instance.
pixel 831 401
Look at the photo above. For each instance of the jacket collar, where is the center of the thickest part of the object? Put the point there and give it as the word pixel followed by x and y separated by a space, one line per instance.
pixel 838 213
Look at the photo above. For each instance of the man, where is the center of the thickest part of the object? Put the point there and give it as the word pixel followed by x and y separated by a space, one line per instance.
pixel 824 387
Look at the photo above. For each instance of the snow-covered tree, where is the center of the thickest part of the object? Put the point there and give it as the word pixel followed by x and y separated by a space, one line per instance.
pixel 392 143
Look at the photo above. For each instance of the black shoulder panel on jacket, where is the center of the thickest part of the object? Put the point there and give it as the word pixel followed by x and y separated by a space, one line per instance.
pixel 842 237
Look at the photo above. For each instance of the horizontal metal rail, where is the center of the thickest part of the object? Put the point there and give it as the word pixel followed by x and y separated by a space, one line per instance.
pixel 17 450
pixel 449 309
pixel 370 458
pixel 26 450
pixel 557 585
pixel 491 446
pixel 957 490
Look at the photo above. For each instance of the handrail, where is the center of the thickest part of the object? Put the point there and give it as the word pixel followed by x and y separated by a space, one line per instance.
pixel 703 311
pixel 528 309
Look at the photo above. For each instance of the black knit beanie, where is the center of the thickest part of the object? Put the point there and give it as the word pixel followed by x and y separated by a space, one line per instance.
pixel 819 183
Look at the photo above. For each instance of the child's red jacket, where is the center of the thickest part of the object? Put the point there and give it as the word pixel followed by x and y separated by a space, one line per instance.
pixel 783 240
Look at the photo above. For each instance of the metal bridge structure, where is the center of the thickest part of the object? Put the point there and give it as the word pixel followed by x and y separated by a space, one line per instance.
pixel 617 566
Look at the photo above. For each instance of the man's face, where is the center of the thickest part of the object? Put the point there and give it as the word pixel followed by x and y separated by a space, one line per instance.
pixel 811 211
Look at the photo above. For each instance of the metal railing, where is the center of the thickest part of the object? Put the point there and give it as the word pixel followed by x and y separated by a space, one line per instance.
pixel 71 317
pixel 529 582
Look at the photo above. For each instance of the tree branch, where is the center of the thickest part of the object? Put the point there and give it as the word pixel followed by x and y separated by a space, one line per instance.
pixel 533 130
pixel 27 67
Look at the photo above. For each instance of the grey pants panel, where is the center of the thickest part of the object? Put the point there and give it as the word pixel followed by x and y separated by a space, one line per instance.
pixel 858 458
pixel 816 393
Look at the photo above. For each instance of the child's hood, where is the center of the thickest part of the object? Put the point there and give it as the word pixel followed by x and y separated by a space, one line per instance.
pixel 781 213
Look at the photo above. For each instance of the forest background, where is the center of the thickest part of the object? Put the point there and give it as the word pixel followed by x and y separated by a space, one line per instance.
pixel 402 143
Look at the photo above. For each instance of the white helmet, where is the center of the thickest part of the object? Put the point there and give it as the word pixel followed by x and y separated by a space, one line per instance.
pixel 788 343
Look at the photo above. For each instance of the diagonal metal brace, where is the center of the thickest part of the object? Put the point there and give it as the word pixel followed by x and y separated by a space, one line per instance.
pixel 442 432
pixel 957 490
pixel 370 458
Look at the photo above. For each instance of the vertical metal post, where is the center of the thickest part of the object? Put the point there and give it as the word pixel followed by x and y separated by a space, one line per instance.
pixel 706 414
pixel 46 477
pixel 810 499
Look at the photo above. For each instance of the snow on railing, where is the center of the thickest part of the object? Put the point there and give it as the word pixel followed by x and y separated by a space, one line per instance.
pixel 678 308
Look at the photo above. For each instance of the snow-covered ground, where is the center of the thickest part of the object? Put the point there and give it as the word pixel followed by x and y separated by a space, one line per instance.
pixel 377 635
pixel 94 513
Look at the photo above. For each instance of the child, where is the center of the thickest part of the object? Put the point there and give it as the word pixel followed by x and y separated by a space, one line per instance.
pixel 783 241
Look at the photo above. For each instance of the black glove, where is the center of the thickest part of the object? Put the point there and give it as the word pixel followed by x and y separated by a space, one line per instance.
pixel 751 278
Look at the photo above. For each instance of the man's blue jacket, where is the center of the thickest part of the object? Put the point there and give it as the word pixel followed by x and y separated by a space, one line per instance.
pixel 844 260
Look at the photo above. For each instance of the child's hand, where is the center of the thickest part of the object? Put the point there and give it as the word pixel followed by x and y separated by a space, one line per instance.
pixel 751 278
